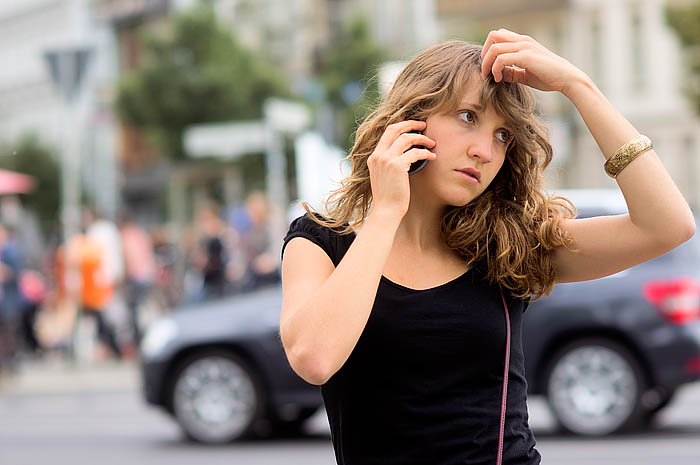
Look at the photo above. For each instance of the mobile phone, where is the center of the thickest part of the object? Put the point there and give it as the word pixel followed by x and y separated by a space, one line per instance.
pixel 420 164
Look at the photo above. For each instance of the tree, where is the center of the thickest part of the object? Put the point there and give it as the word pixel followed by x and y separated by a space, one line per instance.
pixel 29 156
pixel 684 19
pixel 348 72
pixel 194 72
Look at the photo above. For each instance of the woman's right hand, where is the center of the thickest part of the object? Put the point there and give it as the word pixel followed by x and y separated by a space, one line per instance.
pixel 389 164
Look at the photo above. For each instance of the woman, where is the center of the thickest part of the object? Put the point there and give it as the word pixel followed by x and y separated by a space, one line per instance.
pixel 405 301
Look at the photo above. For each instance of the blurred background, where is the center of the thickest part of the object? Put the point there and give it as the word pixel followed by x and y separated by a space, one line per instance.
pixel 153 153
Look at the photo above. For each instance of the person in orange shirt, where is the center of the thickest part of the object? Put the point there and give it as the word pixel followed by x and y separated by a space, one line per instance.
pixel 95 290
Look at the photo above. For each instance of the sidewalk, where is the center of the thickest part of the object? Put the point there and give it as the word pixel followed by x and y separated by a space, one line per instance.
pixel 60 376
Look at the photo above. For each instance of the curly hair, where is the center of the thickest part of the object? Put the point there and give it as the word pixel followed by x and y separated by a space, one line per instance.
pixel 512 227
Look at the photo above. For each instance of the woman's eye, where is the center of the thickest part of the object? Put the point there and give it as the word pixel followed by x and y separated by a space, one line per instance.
pixel 503 136
pixel 467 116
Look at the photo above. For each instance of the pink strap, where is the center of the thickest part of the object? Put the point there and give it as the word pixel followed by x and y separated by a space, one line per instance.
pixel 505 384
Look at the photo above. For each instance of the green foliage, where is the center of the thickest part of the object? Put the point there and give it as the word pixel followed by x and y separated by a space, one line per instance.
pixel 29 156
pixel 684 19
pixel 195 72
pixel 348 72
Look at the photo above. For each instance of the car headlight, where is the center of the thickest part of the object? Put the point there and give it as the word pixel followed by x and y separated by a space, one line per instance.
pixel 158 336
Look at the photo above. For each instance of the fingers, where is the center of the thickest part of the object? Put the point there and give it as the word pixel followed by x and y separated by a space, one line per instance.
pixel 404 147
pixel 494 51
pixel 415 154
pixel 507 60
pixel 393 131
pixel 503 35
pixel 492 38
pixel 408 139
pixel 512 47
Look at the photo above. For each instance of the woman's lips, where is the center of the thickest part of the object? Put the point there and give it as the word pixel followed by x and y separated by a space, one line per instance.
pixel 468 177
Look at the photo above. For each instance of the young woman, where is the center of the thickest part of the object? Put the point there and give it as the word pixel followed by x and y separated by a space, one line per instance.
pixel 404 301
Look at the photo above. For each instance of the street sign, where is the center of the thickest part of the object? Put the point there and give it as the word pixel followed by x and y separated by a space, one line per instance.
pixel 67 68
pixel 224 140
pixel 286 115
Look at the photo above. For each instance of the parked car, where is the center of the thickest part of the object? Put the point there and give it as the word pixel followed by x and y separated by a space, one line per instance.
pixel 608 354
pixel 220 370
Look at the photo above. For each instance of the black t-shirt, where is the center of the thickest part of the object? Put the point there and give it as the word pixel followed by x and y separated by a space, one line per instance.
pixel 423 384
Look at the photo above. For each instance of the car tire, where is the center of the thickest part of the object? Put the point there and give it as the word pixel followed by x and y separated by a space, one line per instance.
pixel 216 397
pixel 594 387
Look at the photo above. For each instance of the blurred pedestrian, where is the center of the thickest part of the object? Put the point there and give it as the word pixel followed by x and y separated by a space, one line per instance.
pixel 32 288
pixel 210 256
pixel 106 235
pixel 168 292
pixel 10 310
pixel 140 269
pixel 96 289
pixel 404 299
pixel 251 223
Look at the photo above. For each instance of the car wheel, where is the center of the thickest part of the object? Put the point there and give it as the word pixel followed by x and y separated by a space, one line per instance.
pixel 594 387
pixel 216 397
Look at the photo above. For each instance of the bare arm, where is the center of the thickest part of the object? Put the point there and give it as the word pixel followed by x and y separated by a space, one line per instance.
pixel 659 218
pixel 325 310
pixel 320 332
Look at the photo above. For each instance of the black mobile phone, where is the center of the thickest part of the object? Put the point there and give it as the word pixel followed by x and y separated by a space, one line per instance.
pixel 420 164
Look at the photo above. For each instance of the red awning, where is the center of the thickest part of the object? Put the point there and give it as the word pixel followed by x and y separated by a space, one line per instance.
pixel 15 183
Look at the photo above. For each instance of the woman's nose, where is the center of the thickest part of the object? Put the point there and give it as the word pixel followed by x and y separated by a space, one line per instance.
pixel 481 148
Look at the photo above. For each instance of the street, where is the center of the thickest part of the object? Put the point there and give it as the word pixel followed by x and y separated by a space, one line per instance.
pixel 86 415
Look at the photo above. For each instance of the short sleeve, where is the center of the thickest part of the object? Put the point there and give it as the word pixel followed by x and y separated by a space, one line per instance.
pixel 304 226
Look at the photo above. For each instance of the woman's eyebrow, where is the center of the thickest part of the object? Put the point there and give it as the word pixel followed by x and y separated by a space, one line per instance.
pixel 478 107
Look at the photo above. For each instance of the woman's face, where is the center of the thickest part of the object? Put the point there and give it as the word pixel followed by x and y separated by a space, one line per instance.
pixel 472 137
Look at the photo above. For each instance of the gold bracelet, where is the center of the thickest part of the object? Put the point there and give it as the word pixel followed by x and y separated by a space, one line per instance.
pixel 625 154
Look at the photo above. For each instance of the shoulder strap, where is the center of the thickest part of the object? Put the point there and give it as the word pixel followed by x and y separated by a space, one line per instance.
pixel 504 396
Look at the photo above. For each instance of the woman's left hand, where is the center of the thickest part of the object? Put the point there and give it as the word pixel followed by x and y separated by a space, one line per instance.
pixel 536 66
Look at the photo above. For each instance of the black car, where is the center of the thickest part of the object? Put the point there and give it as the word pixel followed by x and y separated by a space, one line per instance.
pixel 608 354
pixel 220 370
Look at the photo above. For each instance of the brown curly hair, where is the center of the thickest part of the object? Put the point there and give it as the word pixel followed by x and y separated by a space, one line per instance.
pixel 513 226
